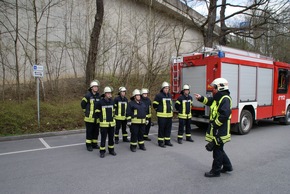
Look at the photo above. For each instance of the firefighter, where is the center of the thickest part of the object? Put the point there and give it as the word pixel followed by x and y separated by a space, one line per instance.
pixel 183 106
pixel 88 105
pixel 163 105
pixel 218 132
pixel 105 112
pixel 136 114
pixel 146 100
pixel 121 103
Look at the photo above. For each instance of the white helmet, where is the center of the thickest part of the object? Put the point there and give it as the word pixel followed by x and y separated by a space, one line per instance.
pixel 165 84
pixel 136 92
pixel 122 89
pixel 144 91
pixel 94 83
pixel 185 87
pixel 220 84
pixel 107 89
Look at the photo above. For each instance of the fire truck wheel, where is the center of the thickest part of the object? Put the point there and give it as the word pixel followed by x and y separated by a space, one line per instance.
pixel 246 122
pixel 286 120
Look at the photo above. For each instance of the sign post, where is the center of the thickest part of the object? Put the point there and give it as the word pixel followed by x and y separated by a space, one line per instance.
pixel 37 73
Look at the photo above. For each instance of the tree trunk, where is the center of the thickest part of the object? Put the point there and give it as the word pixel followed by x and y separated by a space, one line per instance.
pixel 94 40
pixel 208 40
pixel 18 92
pixel 223 40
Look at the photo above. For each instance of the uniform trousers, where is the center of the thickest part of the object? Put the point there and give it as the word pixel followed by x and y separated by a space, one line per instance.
pixel 137 132
pixel 220 159
pixel 184 123
pixel 147 128
pixel 164 129
pixel 107 131
pixel 92 132
pixel 121 124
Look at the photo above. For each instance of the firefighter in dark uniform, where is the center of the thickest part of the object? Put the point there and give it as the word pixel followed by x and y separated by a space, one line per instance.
pixel 146 100
pixel 88 105
pixel 218 132
pixel 136 114
pixel 183 106
pixel 105 112
pixel 163 105
pixel 121 103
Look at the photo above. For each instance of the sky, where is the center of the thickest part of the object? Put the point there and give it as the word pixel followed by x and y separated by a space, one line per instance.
pixel 200 7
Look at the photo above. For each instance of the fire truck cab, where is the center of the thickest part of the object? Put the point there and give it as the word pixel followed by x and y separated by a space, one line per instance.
pixel 259 86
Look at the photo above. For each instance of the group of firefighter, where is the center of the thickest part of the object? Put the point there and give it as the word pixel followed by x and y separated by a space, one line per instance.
pixel 107 115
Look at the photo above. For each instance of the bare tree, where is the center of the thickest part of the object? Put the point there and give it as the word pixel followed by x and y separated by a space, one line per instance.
pixel 271 12
pixel 94 41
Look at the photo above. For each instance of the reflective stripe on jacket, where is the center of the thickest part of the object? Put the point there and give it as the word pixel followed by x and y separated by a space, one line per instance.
pixel 105 112
pixel 136 112
pixel 120 107
pixel 88 105
pixel 183 105
pixel 163 105
pixel 220 116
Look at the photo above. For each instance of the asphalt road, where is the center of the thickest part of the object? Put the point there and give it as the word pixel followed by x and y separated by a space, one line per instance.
pixel 61 164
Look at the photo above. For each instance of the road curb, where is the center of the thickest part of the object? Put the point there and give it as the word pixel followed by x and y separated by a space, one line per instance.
pixel 39 135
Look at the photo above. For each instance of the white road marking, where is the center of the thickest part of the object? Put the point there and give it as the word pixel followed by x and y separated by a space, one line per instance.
pixel 38 149
pixel 48 147
pixel 44 143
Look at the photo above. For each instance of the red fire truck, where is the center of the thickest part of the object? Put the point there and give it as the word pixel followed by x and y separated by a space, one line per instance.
pixel 259 85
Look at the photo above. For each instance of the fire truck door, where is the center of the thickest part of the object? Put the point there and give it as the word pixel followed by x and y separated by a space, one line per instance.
pixel 281 92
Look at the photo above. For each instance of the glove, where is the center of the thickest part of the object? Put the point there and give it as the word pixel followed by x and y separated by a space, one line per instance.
pixel 147 122
pixel 209 147
pixel 129 124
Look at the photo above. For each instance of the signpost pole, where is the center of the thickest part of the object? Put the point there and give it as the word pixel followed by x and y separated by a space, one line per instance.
pixel 37 73
pixel 38 109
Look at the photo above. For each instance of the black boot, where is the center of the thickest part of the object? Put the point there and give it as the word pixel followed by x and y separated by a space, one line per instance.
pixel 179 140
pixel 125 139
pixel 132 148
pixel 146 138
pixel 89 147
pixel 161 144
pixel 102 154
pixel 189 139
pixel 226 169
pixel 168 143
pixel 142 147
pixel 116 140
pixel 112 152
pixel 95 146
pixel 211 174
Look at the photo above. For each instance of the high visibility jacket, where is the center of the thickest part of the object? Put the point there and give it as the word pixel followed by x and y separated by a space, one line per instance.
pixel 147 102
pixel 163 105
pixel 105 112
pixel 120 107
pixel 183 105
pixel 220 116
pixel 88 105
pixel 136 112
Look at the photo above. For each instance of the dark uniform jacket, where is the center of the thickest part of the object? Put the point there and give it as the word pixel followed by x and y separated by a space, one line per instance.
pixel 147 102
pixel 88 105
pixel 105 112
pixel 163 105
pixel 136 112
pixel 183 105
pixel 120 107
pixel 220 115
